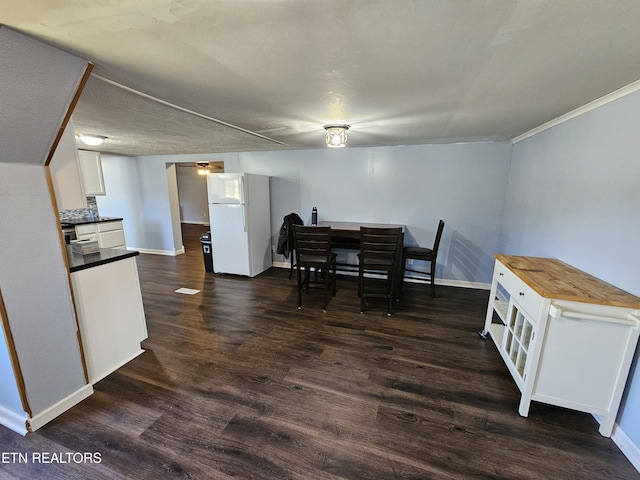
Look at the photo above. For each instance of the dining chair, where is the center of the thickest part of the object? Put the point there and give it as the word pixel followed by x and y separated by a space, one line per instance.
pixel 426 255
pixel 378 263
pixel 312 247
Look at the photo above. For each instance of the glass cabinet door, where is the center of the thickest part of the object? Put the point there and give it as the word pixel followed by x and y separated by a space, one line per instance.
pixel 519 336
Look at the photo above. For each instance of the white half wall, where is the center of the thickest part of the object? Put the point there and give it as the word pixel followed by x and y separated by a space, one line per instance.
pixel 35 288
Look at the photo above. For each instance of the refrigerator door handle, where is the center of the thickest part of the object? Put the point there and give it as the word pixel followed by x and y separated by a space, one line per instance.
pixel 242 193
pixel 244 218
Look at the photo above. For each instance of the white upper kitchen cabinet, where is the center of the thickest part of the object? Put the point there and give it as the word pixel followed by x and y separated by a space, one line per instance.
pixel 65 172
pixel 91 167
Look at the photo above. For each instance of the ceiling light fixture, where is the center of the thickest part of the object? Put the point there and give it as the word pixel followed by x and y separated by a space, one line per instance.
pixel 336 135
pixel 203 168
pixel 93 140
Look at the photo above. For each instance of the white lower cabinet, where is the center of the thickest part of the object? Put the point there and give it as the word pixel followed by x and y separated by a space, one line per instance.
pixel 107 234
pixel 567 338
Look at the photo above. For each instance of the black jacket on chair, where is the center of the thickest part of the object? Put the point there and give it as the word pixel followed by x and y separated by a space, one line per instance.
pixel 285 238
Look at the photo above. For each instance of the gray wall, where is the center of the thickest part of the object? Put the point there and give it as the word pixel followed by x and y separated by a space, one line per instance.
pixel 464 184
pixel 192 190
pixel 174 205
pixel 138 190
pixel 573 195
pixel 124 196
pixel 9 394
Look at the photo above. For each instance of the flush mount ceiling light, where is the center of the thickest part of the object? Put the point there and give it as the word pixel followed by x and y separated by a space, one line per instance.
pixel 336 135
pixel 203 168
pixel 93 140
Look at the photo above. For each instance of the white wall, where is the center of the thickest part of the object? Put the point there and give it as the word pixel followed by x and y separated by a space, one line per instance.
pixel 573 195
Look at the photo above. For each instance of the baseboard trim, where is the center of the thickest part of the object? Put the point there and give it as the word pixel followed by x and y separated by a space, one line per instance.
pixel 59 408
pixel 627 447
pixel 113 368
pixel 457 283
pixel 281 264
pixel 205 224
pixel 14 421
pixel 624 443
pixel 170 253
pixel 444 282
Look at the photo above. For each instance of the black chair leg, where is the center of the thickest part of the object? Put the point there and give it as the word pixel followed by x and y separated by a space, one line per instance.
pixel 390 305
pixel 299 288
pixel 360 290
pixel 433 279
pixel 326 295
pixel 335 281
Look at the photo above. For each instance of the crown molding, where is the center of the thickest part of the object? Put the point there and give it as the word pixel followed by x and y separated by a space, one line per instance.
pixel 610 97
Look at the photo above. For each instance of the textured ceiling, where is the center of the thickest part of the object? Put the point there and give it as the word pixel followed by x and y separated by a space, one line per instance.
pixel 268 74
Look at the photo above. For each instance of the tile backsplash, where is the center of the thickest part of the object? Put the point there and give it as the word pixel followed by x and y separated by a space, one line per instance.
pixel 80 212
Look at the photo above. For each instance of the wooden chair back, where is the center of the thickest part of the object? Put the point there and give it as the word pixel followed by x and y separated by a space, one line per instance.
pixel 379 247
pixel 312 244
pixel 380 254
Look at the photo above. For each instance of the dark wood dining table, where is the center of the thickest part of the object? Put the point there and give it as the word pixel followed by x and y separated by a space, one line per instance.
pixel 352 229
pixel 346 235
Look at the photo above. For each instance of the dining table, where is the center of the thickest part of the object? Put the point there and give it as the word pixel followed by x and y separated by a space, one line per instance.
pixel 346 235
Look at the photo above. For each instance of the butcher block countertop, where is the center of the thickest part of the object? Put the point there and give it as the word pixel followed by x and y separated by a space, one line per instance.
pixel 552 278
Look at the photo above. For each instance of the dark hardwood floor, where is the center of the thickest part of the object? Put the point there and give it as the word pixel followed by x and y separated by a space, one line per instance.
pixel 237 383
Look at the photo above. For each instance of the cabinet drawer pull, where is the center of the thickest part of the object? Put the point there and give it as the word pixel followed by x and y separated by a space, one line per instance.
pixel 501 274
pixel 522 294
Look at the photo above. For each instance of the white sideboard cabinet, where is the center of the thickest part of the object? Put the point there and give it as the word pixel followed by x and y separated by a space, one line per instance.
pixel 567 338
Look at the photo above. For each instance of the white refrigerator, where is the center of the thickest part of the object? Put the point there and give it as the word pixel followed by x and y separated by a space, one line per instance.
pixel 240 219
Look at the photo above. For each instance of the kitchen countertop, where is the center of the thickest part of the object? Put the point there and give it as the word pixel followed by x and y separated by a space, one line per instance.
pixel 86 220
pixel 552 278
pixel 79 262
